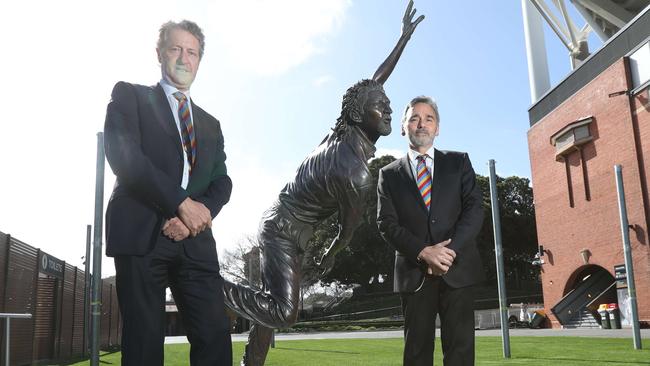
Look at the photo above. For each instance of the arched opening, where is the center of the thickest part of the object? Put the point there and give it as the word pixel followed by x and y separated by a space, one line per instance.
pixel 586 288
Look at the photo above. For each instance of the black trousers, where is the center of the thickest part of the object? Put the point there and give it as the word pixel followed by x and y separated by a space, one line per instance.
pixel 456 309
pixel 197 289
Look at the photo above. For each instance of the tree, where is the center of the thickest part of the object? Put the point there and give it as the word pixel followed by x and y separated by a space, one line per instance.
pixel 518 230
pixel 238 265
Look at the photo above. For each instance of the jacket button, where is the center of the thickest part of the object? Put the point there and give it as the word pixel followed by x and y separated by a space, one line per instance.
pixel 433 221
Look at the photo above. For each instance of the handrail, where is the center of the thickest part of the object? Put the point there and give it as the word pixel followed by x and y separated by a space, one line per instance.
pixel 10 316
pixel 601 294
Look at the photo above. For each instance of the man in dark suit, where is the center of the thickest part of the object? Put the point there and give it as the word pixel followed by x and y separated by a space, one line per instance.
pixel 429 210
pixel 168 156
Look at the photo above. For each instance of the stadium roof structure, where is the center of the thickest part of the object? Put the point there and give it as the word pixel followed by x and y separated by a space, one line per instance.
pixel 606 18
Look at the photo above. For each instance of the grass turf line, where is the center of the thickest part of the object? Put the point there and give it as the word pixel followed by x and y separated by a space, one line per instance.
pixel 529 351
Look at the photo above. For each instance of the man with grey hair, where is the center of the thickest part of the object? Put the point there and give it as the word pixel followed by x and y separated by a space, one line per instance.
pixel 429 210
pixel 168 156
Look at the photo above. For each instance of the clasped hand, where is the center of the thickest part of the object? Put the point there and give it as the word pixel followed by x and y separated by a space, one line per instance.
pixel 193 217
pixel 438 258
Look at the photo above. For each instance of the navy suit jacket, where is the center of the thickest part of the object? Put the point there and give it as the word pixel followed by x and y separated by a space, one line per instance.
pixel 455 213
pixel 143 148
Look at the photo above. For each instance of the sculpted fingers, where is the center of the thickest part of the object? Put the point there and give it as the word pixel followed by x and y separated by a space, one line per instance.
pixel 407 14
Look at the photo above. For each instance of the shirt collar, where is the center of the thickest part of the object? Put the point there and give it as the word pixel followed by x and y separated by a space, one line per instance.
pixel 413 155
pixel 366 147
pixel 169 89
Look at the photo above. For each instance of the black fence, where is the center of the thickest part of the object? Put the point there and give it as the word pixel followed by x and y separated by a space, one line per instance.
pixel 53 291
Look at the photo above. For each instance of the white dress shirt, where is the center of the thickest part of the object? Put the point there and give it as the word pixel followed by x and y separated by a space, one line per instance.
pixel 173 104
pixel 413 159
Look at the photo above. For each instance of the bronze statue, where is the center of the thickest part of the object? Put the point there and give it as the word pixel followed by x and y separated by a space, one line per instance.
pixel 333 178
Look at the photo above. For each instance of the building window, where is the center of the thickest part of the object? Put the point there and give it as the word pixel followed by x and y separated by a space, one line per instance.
pixel 571 137
pixel 568 140
pixel 640 66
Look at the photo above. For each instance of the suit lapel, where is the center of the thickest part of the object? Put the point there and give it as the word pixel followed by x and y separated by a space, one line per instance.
pixel 205 140
pixel 201 136
pixel 437 178
pixel 165 117
pixel 407 174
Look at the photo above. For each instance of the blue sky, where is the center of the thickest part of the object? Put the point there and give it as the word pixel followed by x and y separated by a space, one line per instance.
pixel 274 74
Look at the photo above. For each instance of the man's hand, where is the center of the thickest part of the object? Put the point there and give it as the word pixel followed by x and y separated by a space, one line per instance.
pixel 175 229
pixel 438 257
pixel 408 25
pixel 195 216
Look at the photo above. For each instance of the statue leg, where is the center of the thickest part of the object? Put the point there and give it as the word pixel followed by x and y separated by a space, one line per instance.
pixel 257 347
pixel 276 305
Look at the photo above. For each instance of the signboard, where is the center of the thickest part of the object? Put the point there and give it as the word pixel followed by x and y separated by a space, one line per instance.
pixel 50 265
pixel 620 274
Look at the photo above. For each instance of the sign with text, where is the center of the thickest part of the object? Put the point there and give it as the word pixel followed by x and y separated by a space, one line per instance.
pixel 620 274
pixel 49 265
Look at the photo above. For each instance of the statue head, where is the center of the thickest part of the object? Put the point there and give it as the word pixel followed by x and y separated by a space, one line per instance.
pixel 365 105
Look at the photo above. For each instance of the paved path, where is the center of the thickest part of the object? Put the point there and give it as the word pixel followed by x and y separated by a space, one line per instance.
pixel 608 333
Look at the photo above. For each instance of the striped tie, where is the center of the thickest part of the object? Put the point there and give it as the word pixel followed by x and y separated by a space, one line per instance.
pixel 424 180
pixel 187 130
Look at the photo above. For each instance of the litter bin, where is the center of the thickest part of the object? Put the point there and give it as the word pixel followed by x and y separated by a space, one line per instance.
pixel 538 318
pixel 604 316
pixel 614 315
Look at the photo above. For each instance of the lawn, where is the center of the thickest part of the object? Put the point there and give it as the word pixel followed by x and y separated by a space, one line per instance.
pixel 529 351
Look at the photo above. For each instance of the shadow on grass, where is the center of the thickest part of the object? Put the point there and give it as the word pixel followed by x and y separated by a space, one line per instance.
pixel 316 350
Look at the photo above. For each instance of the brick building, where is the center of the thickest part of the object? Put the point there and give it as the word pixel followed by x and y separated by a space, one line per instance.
pixel 597 117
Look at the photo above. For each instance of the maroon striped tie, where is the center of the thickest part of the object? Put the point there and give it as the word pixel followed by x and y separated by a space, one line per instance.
pixel 187 128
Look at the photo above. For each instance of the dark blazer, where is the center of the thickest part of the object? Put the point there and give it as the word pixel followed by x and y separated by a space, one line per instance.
pixel 455 214
pixel 143 148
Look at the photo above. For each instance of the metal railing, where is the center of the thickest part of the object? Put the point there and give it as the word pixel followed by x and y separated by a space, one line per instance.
pixel 10 316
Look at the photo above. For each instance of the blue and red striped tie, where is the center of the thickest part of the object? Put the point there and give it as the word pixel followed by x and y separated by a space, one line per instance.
pixel 424 180
pixel 187 129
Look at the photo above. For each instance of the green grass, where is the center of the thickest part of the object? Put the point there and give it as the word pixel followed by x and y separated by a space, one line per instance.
pixel 529 351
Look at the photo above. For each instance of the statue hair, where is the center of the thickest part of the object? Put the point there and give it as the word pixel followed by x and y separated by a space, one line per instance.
pixel 354 100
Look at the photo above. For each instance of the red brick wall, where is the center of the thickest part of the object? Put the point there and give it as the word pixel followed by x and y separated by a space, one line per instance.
pixel 564 230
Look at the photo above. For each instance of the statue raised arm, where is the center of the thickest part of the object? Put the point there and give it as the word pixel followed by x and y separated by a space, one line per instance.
pixel 334 179
pixel 408 27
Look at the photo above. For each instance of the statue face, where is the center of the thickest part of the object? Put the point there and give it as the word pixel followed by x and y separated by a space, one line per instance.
pixel 376 115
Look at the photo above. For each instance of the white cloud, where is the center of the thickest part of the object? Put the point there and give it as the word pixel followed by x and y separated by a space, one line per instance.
pixel 270 37
pixel 393 152
pixel 322 80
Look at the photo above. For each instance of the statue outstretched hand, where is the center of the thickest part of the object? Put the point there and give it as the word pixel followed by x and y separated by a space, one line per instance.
pixel 408 25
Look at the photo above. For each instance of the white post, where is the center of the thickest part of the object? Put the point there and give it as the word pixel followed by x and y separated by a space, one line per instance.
pixel 538 74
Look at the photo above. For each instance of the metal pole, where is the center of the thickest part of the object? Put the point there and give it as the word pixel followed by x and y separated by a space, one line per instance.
pixel 97 251
pixel 498 250
pixel 8 317
pixel 87 291
pixel 7 342
pixel 627 251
